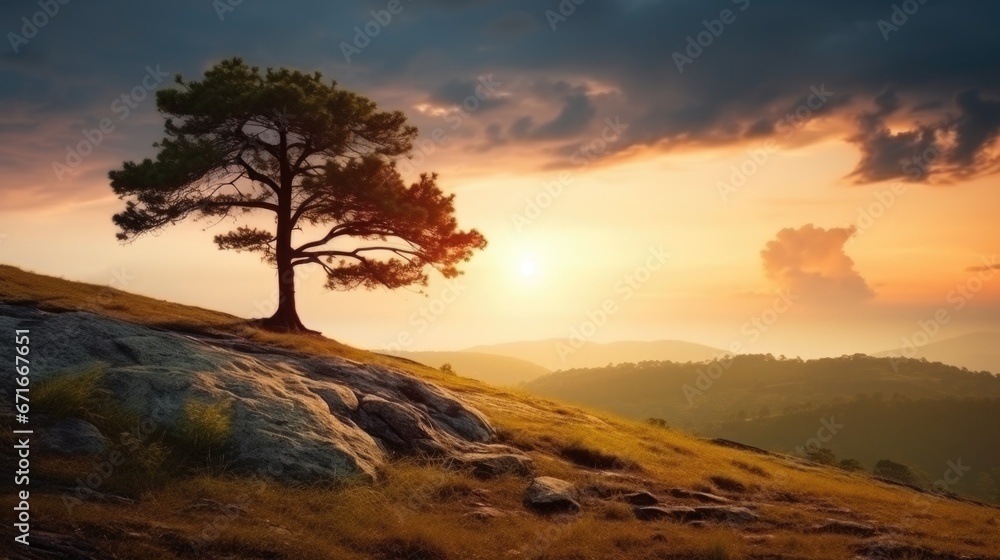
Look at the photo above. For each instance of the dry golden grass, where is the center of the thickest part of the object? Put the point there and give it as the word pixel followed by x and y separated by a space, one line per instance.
pixel 419 511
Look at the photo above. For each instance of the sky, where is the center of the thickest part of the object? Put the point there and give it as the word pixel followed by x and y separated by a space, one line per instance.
pixel 800 178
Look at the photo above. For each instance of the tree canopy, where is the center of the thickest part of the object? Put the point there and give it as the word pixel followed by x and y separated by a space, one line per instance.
pixel 318 158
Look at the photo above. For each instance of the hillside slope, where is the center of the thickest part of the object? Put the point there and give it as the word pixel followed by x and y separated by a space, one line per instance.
pixel 172 494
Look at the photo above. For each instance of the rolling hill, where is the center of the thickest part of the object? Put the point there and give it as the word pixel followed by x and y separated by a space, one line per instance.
pixel 978 351
pixel 700 396
pixel 559 354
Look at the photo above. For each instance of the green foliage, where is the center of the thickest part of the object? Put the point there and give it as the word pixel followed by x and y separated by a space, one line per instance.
pixel 80 396
pixel 203 428
pixel 822 455
pixel 657 422
pixel 68 396
pixel 895 471
pixel 851 465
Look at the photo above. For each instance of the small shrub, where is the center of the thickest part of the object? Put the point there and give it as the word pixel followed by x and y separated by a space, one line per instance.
pixel 67 396
pixel 822 455
pixel 203 428
pixel 851 465
pixel 657 422
pixel 894 471
pixel 579 454
pixel 727 484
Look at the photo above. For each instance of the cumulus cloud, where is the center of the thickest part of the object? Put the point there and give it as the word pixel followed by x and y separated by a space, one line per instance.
pixel 810 262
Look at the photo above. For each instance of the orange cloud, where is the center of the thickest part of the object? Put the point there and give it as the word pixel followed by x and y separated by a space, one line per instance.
pixel 810 262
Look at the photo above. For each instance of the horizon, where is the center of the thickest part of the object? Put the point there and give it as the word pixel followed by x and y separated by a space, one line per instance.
pixel 729 193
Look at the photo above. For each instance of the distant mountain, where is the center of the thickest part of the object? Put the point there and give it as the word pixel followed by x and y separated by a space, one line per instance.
pixel 978 351
pixel 489 368
pixel 700 396
pixel 557 353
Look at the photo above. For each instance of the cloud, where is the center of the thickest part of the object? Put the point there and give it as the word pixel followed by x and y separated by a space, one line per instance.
pixel 810 262
pixel 949 148
pixel 608 60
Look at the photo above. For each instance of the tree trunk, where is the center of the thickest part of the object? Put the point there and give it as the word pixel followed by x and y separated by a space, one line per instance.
pixel 285 318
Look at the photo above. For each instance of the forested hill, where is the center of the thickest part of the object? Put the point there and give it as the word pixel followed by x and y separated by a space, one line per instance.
pixel 951 442
pixel 701 395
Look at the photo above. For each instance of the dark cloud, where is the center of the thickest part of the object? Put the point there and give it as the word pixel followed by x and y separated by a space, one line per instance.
pixel 810 263
pixel 606 60
pixel 951 147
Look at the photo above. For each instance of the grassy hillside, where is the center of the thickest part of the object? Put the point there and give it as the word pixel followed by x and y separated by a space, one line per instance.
pixel 488 368
pixel 701 395
pixel 151 508
pixel 558 354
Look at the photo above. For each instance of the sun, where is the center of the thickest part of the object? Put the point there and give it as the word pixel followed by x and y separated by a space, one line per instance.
pixel 528 268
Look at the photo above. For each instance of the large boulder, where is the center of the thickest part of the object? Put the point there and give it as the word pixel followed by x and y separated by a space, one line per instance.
pixel 291 416
pixel 551 495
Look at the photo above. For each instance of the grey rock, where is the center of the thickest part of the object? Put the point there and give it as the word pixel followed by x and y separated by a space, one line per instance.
pixel 72 436
pixel 292 416
pixel 485 513
pixel 551 495
pixel 684 493
pixel 492 465
pixel 641 499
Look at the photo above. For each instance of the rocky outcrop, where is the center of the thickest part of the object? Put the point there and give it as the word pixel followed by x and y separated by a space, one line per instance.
pixel 291 416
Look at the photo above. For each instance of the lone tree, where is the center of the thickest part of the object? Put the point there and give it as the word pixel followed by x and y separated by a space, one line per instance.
pixel 320 159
